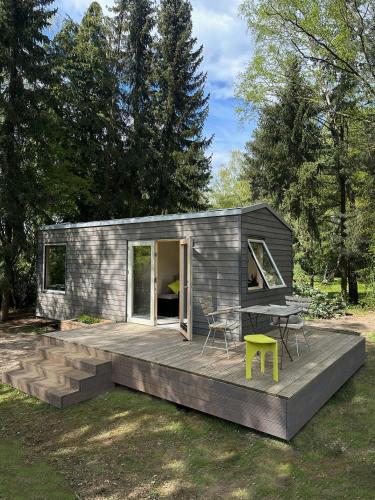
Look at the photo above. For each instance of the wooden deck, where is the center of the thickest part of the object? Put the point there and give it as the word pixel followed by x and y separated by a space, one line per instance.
pixel 157 361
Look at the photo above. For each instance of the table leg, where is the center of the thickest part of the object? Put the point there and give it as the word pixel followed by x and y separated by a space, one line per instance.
pixel 252 324
pixel 284 333
pixel 254 328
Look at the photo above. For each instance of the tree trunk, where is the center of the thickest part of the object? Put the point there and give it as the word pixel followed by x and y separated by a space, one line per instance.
pixel 353 284
pixel 352 275
pixel 5 304
pixel 343 235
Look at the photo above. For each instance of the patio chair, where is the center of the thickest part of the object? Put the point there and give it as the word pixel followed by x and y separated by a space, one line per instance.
pixel 226 326
pixel 296 322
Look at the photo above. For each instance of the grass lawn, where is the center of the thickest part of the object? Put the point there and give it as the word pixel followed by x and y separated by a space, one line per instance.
pixel 129 445
pixel 334 288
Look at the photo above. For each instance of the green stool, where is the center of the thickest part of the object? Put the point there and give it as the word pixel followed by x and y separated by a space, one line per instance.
pixel 261 343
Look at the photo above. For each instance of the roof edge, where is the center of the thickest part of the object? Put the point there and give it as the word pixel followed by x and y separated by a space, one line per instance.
pixel 168 217
pixel 261 205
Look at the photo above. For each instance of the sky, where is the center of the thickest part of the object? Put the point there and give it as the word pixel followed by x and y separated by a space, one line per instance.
pixel 227 49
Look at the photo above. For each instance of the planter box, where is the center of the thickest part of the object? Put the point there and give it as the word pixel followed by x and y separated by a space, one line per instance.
pixel 73 324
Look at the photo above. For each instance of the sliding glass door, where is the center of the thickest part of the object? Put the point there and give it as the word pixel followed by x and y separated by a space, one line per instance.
pixel 141 282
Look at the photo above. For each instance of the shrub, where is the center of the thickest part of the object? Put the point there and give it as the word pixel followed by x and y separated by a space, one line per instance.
pixel 88 320
pixel 369 279
pixel 322 304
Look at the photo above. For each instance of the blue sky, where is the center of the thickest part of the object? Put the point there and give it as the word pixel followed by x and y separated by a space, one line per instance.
pixel 227 49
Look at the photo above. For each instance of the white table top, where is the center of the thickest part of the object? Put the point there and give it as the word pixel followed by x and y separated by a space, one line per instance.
pixel 279 311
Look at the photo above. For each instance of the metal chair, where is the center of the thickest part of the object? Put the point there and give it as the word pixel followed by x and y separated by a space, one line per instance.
pixel 296 322
pixel 225 326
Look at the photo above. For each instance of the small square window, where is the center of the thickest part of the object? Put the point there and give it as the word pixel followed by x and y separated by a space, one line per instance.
pixel 54 267
pixel 261 269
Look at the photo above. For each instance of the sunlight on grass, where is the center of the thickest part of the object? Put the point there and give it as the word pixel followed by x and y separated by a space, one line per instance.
pixel 76 433
pixel 170 427
pixel 169 488
pixel 119 415
pixel 175 465
pixel 334 288
pixel 126 444
pixel 106 437
pixel 240 493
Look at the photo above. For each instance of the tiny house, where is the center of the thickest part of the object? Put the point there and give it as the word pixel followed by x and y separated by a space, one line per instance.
pixel 154 270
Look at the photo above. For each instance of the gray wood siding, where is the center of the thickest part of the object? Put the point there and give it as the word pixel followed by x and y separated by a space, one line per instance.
pixel 262 224
pixel 96 275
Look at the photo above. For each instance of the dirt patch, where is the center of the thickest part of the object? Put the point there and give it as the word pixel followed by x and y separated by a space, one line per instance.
pixel 362 323
pixel 19 336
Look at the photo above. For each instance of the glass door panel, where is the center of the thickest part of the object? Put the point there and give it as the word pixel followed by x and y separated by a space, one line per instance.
pixel 141 277
pixel 142 282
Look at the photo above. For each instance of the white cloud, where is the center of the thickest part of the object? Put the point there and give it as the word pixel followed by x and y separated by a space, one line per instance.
pixel 219 159
pixel 216 25
pixel 227 45
pixel 227 50
pixel 75 8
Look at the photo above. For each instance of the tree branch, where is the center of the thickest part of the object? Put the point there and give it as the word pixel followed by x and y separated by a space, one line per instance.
pixel 349 68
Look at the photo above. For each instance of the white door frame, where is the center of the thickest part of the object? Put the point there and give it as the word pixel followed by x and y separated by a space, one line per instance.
pixel 186 282
pixel 130 287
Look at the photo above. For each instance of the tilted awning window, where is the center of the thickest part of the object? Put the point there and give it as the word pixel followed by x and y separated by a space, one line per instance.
pixel 262 270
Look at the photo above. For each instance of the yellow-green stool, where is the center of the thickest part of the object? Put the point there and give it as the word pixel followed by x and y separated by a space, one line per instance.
pixel 261 343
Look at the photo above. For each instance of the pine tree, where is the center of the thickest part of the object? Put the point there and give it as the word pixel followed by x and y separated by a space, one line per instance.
pixel 133 25
pixel 285 148
pixel 24 80
pixel 283 160
pixel 87 105
pixel 182 170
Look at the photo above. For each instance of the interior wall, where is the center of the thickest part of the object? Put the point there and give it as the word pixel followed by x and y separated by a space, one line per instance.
pixel 168 264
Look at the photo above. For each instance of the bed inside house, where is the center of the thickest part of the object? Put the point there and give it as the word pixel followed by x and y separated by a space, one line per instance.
pixel 168 285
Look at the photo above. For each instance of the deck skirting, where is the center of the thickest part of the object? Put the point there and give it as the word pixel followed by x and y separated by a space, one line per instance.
pixel 306 402
pixel 247 407
pixel 157 362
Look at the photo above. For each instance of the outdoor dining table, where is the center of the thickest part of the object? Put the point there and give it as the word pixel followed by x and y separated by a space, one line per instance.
pixel 277 312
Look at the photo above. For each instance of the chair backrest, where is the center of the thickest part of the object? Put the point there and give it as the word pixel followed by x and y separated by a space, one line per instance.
pixel 295 300
pixel 207 305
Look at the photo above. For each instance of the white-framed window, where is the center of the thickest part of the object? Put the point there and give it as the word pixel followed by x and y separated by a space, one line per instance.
pixel 262 271
pixel 54 267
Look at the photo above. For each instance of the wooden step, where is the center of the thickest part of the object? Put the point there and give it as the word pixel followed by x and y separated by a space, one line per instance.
pixel 76 360
pixel 40 387
pixel 60 377
pixel 76 347
pixel 56 372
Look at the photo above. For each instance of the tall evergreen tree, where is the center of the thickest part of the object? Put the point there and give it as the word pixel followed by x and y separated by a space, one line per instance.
pixel 285 149
pixel 24 80
pixel 87 105
pixel 133 25
pixel 182 170
pixel 282 160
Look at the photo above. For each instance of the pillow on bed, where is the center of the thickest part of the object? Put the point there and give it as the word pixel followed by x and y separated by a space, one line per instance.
pixel 174 286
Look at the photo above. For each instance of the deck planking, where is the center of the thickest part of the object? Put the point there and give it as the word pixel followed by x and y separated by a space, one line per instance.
pixel 166 347
pixel 158 361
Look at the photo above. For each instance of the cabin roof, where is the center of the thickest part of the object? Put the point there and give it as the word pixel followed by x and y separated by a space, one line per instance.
pixel 168 217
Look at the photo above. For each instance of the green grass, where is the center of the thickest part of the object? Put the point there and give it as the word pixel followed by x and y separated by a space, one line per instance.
pixel 89 320
pixel 129 445
pixel 334 288
pixel 23 476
